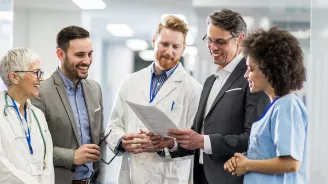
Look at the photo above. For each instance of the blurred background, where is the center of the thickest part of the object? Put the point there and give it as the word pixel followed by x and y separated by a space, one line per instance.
pixel 122 31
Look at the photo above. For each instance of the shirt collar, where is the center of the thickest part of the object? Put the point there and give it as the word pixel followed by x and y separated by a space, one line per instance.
pixel 168 72
pixel 67 82
pixel 231 66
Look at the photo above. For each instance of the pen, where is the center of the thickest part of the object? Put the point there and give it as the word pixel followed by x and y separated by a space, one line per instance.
pixel 172 106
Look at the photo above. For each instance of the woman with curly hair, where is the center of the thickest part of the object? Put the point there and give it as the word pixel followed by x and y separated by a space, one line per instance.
pixel 277 152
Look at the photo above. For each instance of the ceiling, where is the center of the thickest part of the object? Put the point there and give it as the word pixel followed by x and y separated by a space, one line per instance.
pixel 45 4
pixel 143 16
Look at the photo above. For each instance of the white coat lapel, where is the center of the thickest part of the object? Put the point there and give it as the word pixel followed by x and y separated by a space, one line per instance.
pixel 145 83
pixel 170 84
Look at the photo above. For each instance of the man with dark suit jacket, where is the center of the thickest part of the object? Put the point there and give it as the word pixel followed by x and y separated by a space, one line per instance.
pixel 226 109
pixel 73 109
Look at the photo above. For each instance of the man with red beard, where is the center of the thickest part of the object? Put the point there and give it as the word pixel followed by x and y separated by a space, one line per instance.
pixel 73 109
pixel 166 85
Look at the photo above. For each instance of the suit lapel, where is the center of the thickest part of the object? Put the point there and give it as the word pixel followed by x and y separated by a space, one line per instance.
pixel 170 84
pixel 90 104
pixel 203 100
pixel 63 96
pixel 239 70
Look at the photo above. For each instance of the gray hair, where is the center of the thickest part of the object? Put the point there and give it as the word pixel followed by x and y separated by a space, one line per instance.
pixel 18 59
pixel 228 20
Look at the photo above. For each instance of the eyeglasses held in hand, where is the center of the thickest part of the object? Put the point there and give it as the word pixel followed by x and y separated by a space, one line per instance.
pixel 101 141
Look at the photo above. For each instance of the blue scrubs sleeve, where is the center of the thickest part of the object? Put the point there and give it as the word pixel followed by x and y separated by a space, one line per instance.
pixel 288 130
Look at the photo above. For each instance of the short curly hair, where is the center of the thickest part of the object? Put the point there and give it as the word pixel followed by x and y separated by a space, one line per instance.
pixel 279 56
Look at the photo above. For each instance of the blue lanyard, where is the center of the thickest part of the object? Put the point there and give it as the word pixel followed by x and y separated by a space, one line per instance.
pixel 28 134
pixel 267 109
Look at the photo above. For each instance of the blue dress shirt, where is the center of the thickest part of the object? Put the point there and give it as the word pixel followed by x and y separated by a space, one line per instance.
pixel 157 81
pixel 80 111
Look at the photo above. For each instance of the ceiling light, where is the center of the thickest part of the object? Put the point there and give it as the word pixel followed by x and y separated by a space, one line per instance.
pixel 90 5
pixel 147 55
pixel 6 16
pixel 137 44
pixel 180 16
pixel 122 30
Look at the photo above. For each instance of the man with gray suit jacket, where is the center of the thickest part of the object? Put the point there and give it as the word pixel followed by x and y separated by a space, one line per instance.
pixel 73 109
pixel 226 109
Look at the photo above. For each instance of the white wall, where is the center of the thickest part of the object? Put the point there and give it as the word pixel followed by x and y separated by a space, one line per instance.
pixel 120 64
pixel 5 42
pixel 117 64
pixel 6 27
pixel 317 92
pixel 37 30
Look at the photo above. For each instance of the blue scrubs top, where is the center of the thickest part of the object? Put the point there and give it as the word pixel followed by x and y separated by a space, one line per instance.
pixel 283 131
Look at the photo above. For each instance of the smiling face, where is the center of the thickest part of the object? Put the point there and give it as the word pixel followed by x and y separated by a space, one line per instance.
pixel 29 84
pixel 222 54
pixel 168 47
pixel 77 60
pixel 257 81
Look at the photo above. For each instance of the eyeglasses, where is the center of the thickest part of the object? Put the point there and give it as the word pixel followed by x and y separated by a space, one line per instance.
pixel 101 141
pixel 219 41
pixel 38 72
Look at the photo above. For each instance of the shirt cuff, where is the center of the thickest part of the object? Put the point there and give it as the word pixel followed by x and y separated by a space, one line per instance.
pixel 207 145
pixel 175 147
pixel 119 147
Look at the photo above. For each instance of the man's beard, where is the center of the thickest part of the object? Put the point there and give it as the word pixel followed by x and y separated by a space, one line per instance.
pixel 168 63
pixel 73 70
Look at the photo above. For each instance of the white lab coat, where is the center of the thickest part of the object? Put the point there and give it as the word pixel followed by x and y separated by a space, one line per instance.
pixel 17 165
pixel 150 167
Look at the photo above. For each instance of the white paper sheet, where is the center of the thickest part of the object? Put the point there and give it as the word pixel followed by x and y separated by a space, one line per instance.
pixel 154 119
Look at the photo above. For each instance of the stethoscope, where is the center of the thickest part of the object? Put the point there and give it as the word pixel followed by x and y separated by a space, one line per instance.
pixel 35 117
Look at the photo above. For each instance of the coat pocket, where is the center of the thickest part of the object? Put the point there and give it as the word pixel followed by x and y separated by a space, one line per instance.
pixel 156 169
pixel 178 169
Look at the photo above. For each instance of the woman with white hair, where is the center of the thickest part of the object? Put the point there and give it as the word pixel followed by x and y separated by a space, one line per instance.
pixel 25 141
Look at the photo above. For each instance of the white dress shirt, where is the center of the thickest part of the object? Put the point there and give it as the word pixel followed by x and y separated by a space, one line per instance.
pixel 221 74
pixel 221 77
